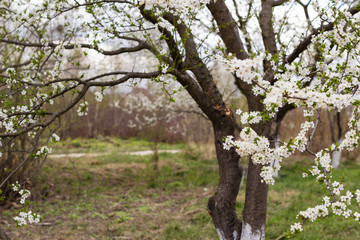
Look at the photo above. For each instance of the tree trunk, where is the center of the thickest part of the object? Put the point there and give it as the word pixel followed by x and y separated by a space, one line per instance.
pixel 254 213
pixel 221 206
pixel 275 163
pixel 336 157
pixel 155 158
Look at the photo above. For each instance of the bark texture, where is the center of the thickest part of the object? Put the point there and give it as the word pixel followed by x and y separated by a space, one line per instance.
pixel 255 208
pixel 221 206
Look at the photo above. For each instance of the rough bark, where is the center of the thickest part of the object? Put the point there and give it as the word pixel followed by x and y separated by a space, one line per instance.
pixel 228 29
pixel 335 138
pixel 267 30
pixel 254 213
pixel 222 205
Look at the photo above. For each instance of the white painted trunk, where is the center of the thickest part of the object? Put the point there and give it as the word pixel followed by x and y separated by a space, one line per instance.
pixel 275 163
pixel 336 157
pixel 221 234
pixel 249 234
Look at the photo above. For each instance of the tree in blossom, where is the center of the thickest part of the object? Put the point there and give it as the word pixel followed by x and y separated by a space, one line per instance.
pixel 283 54
pixel 154 115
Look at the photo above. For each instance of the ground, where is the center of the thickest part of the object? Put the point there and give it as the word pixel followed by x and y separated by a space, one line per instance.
pixel 113 195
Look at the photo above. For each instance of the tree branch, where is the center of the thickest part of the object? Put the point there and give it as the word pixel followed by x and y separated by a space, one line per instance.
pixel 278 2
pixel 306 41
pixel 229 33
pixel 243 22
pixel 141 46
pixel 266 25
pixel 228 29
pixel 170 40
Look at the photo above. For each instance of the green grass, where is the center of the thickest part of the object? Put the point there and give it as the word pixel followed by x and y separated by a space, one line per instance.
pixel 293 193
pixel 107 144
pixel 117 195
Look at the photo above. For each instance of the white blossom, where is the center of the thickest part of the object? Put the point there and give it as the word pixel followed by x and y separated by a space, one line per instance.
pixel 296 227
pixel 99 96
pixel 83 109
pixel 55 138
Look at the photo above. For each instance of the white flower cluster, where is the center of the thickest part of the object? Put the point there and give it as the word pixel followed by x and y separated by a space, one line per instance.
pixel 179 5
pixel 99 96
pixel 357 216
pixel 248 70
pixel 296 227
pixel 164 68
pixel 152 110
pixel 337 187
pixel 350 141
pixel 44 150
pixel 24 217
pixel 83 109
pixel 259 149
pixel 338 207
pixel 55 138
pixel 249 117
pixel 313 213
pixel 322 171
pixel 357 194
pixel 289 87
pixel 267 174
pixel 24 195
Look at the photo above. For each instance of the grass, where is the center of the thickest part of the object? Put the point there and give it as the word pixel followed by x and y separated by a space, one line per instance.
pixel 292 193
pixel 106 144
pixel 117 196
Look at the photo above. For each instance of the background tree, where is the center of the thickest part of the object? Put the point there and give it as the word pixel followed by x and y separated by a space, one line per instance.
pixel 154 116
pixel 279 62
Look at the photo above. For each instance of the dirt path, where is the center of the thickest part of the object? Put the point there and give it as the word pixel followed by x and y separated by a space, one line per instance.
pixel 140 153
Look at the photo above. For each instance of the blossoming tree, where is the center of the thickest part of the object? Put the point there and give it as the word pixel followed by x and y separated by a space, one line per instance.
pixel 283 54
pixel 154 116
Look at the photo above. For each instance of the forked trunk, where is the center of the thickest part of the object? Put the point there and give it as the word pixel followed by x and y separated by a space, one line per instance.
pixel 222 205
